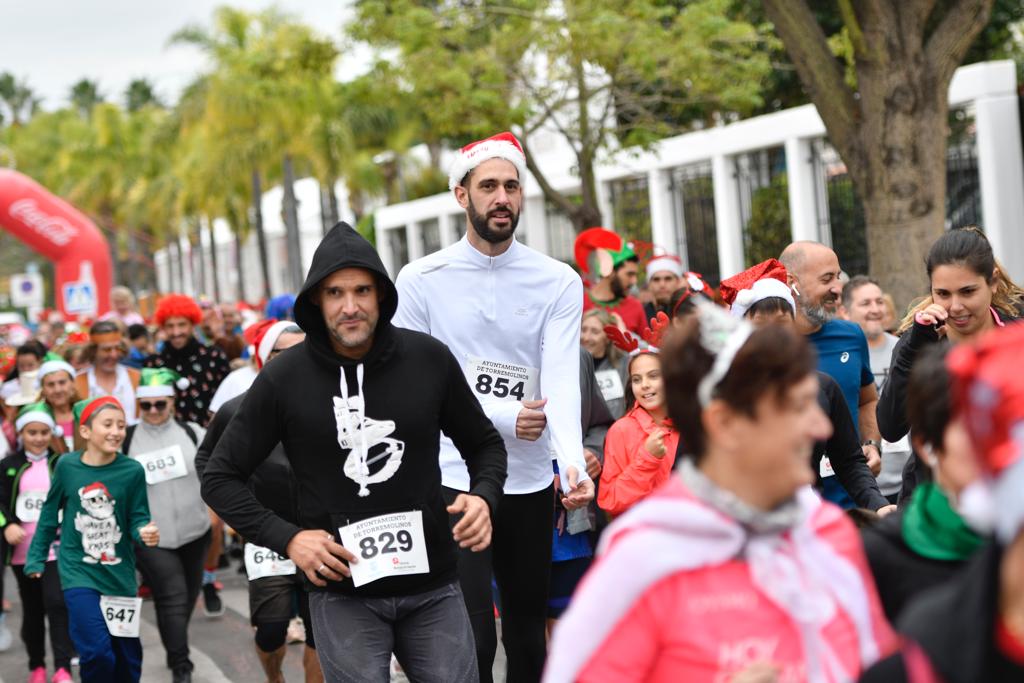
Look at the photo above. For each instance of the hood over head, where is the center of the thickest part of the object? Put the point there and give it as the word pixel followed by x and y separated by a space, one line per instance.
pixel 340 248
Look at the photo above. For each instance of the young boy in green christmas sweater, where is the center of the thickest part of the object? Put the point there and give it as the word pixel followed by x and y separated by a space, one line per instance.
pixel 102 495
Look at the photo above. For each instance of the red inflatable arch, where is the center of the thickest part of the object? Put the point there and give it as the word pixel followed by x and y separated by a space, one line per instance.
pixel 61 233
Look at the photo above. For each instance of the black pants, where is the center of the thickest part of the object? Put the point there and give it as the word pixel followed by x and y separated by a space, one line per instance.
pixel 42 599
pixel 520 556
pixel 175 575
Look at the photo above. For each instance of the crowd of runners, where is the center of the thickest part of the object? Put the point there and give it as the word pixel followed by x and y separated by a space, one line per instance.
pixel 641 474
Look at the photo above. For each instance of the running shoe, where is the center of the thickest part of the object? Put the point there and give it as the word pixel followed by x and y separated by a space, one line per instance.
pixel 5 634
pixel 61 676
pixel 296 631
pixel 212 605
pixel 37 675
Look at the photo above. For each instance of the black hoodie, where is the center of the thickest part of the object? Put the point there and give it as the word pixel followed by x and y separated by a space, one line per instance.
pixel 413 389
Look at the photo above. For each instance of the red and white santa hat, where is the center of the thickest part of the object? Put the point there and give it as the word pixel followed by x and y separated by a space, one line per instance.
pixel 757 283
pixel 264 335
pixel 665 263
pixel 94 490
pixel 500 146
pixel 988 392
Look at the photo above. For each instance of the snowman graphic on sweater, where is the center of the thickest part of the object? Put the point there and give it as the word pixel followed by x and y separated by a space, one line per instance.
pixel 97 525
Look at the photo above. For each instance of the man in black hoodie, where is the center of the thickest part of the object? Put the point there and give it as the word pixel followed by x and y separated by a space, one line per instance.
pixel 359 407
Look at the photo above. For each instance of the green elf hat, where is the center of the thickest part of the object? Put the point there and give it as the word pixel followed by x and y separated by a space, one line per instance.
pixel 157 382
pixel 37 412
pixel 86 408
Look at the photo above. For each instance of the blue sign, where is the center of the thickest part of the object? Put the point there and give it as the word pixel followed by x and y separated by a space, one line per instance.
pixel 79 297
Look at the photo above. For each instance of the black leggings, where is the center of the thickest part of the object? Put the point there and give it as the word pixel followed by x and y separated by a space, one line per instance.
pixel 41 598
pixel 175 575
pixel 520 557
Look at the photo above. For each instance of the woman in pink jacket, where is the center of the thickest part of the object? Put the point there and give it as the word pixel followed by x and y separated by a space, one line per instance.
pixel 734 570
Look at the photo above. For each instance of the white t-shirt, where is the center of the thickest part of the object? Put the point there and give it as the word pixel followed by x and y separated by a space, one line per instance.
pixel 123 391
pixel 513 321
pixel 236 383
pixel 894 455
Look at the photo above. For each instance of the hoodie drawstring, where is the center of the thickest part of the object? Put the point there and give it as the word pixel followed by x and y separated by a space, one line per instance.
pixel 362 451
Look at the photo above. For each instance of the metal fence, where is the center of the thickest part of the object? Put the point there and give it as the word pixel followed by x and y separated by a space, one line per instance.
pixel 560 232
pixel 430 236
pixel 764 203
pixel 631 208
pixel 694 204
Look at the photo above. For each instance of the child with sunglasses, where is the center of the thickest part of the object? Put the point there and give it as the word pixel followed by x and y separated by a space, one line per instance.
pixel 173 570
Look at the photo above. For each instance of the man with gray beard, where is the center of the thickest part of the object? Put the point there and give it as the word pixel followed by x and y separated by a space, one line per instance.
pixel 814 277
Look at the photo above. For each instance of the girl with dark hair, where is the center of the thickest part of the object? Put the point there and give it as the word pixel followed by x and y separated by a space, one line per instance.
pixel 734 569
pixel 970 295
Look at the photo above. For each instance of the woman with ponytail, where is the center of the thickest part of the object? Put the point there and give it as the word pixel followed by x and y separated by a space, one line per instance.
pixel 969 296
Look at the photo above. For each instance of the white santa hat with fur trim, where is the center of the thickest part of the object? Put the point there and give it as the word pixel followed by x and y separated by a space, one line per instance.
pixel 501 146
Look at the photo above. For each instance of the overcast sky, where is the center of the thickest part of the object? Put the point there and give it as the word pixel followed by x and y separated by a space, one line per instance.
pixel 53 43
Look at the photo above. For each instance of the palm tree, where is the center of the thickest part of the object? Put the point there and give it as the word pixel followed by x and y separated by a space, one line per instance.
pixel 84 95
pixel 18 99
pixel 140 93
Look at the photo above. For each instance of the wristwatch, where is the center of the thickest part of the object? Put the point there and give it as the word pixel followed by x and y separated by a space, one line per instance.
pixel 872 442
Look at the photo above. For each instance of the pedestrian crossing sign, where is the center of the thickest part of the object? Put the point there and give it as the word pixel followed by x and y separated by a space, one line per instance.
pixel 79 297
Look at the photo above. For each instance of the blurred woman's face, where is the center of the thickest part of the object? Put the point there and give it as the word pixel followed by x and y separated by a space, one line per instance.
pixel 772 449
pixel 592 336
pixel 57 387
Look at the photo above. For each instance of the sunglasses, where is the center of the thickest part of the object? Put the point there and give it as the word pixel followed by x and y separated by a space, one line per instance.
pixel 155 405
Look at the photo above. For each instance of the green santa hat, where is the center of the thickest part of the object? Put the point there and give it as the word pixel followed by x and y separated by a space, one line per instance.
pixel 159 382
pixel 36 412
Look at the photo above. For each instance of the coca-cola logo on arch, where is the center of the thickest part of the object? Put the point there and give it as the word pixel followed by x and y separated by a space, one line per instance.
pixel 54 228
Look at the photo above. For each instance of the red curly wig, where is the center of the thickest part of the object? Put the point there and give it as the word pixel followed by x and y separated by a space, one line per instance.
pixel 177 306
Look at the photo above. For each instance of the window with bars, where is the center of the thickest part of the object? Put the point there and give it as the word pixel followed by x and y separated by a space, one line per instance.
pixel 764 203
pixel 398 241
pixel 694 203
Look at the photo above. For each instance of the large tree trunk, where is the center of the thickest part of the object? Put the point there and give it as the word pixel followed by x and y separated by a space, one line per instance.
pixel 213 262
pixel 257 226
pixel 892 132
pixel 181 263
pixel 290 208
pixel 198 251
pixel 239 265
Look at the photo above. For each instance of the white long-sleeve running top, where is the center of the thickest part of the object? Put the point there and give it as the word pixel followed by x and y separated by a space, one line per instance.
pixel 513 321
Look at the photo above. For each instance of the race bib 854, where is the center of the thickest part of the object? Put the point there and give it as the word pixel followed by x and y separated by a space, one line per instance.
pixel 492 380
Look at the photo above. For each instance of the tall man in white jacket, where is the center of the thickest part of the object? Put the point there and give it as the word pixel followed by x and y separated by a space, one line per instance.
pixel 511 315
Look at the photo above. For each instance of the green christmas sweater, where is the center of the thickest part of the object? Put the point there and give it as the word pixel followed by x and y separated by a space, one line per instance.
pixel 103 509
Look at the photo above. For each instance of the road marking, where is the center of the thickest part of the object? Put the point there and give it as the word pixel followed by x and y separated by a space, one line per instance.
pixel 154 666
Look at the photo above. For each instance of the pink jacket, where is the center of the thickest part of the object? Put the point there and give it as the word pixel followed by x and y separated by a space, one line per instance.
pixel 682 593
pixel 630 472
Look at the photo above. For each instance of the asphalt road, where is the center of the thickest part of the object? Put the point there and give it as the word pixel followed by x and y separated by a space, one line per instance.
pixel 222 648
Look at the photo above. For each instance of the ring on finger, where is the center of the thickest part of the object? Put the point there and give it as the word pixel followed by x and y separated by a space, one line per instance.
pixel 321 568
